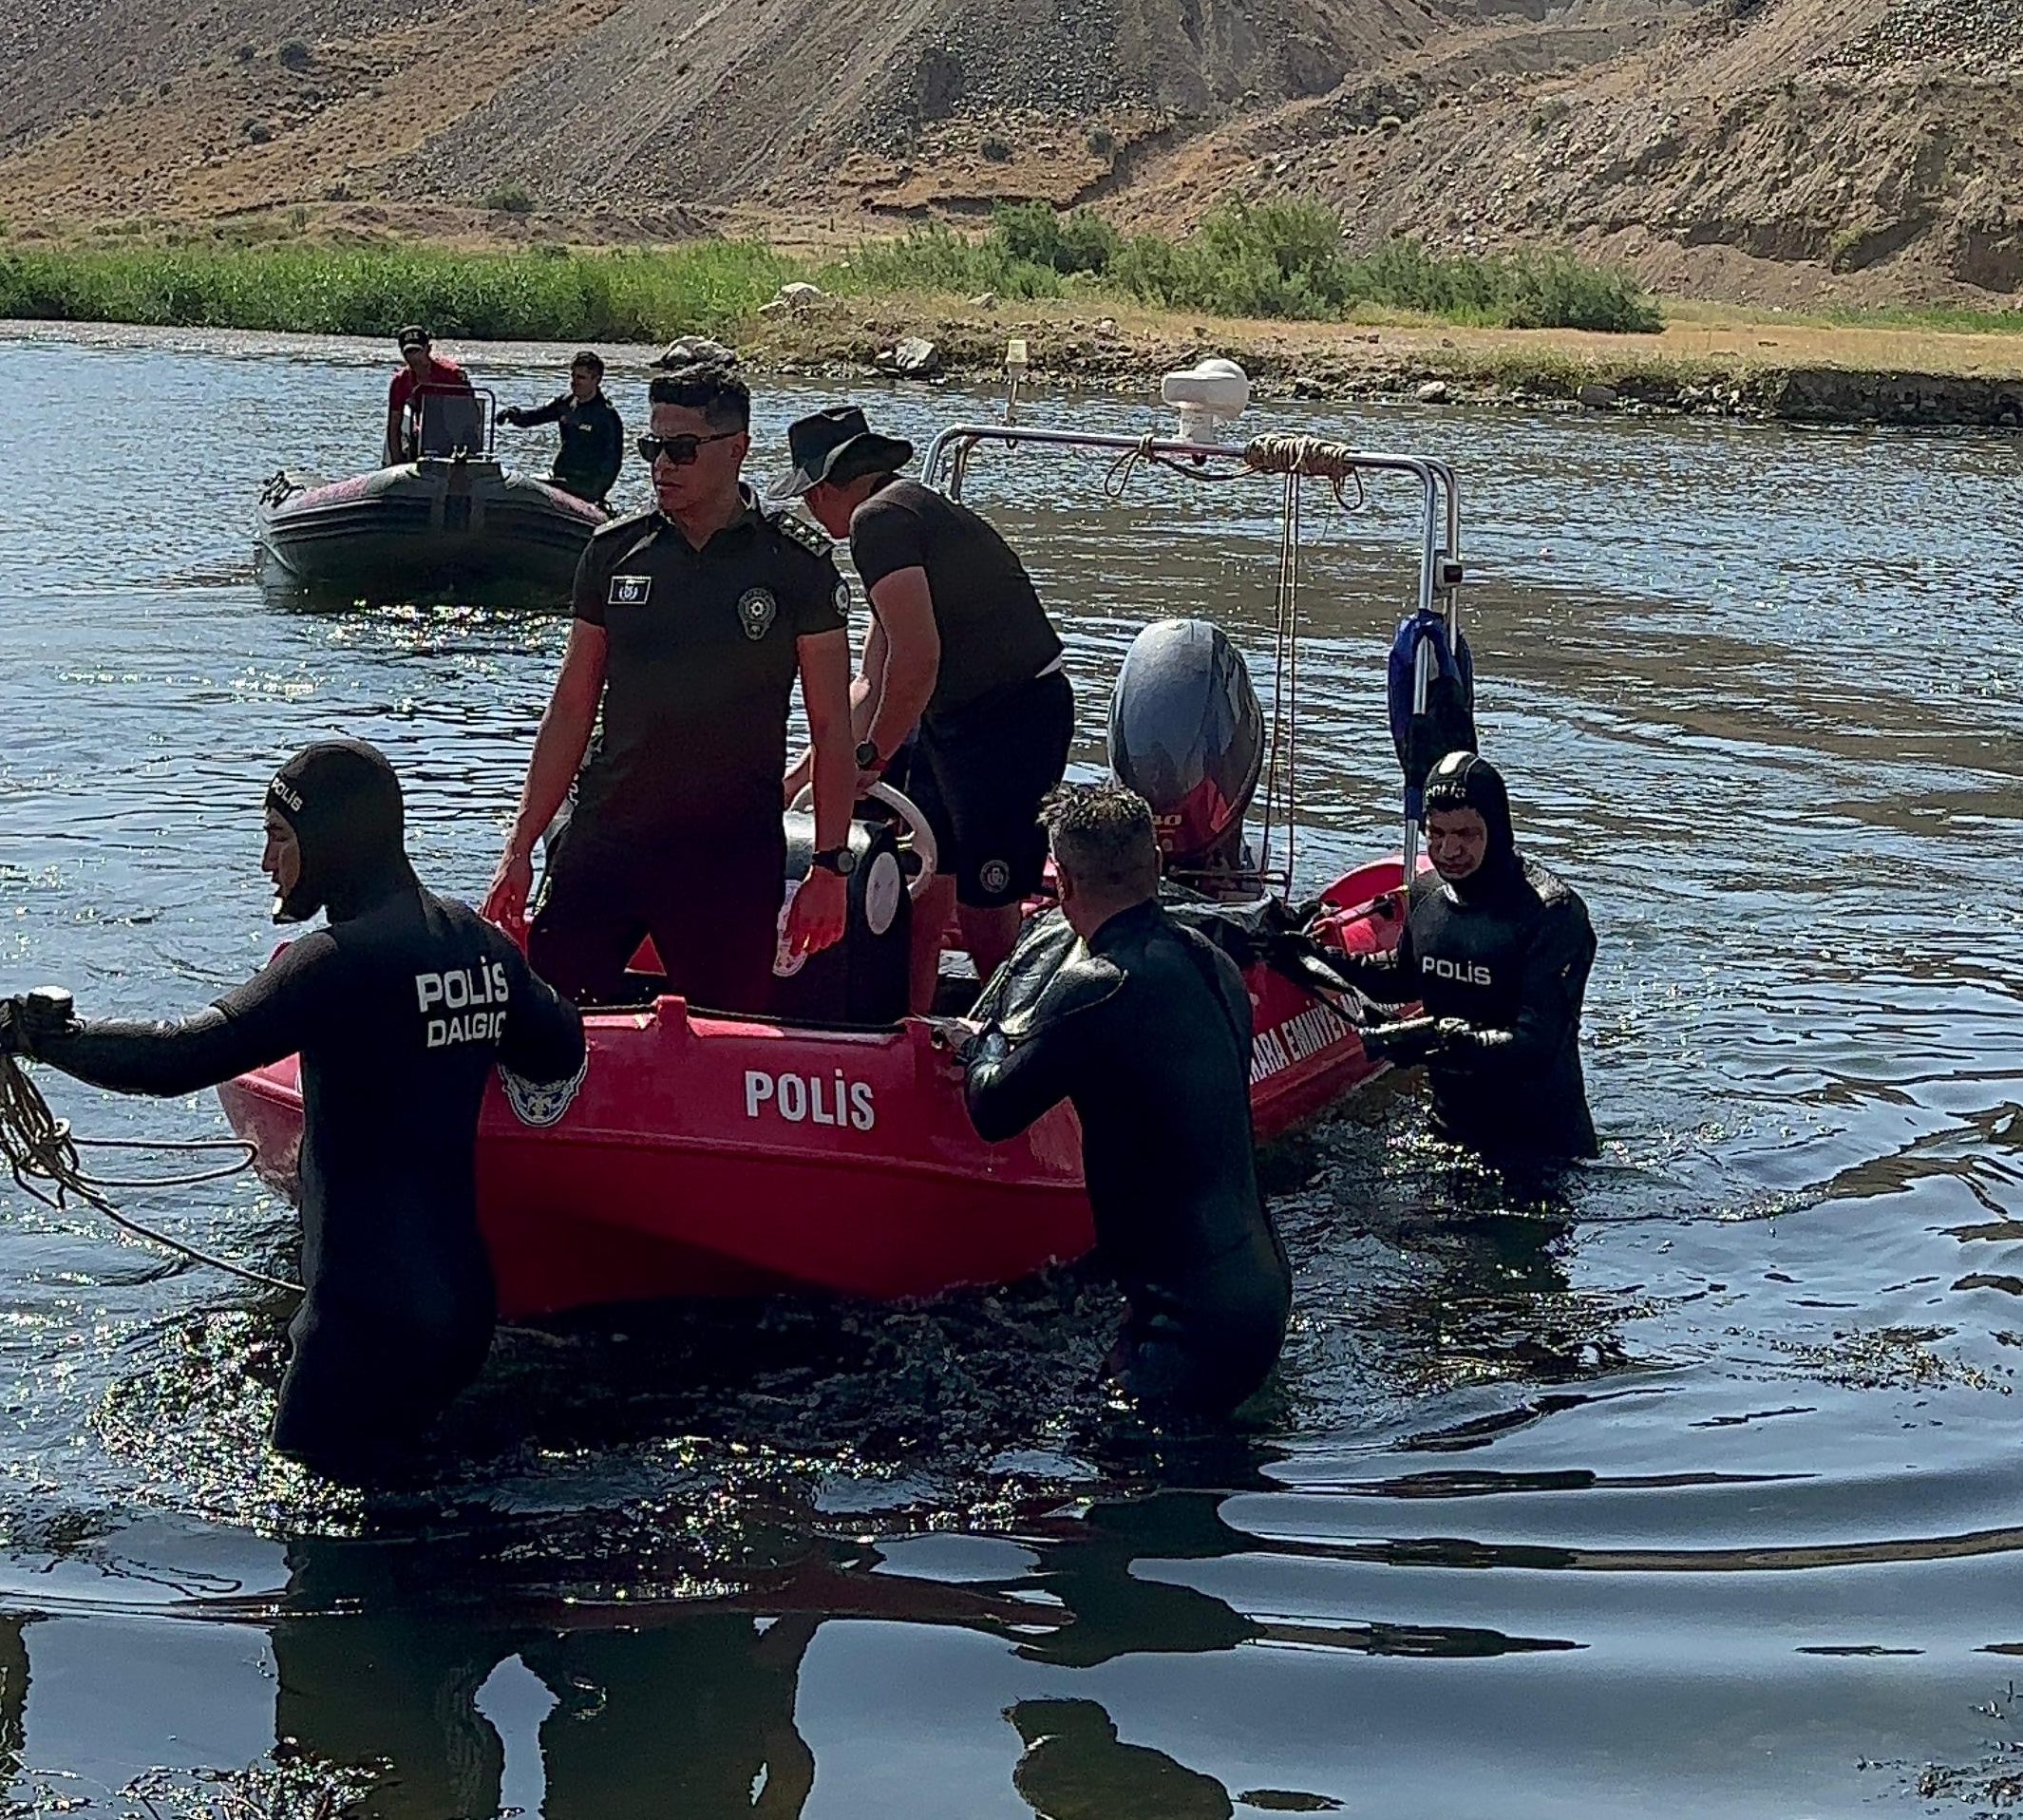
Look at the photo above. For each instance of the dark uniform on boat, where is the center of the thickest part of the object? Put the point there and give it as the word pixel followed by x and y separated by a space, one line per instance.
pixel 1145 1028
pixel 399 1008
pixel 1498 957
pixel 593 445
pixel 994 710
pixel 676 828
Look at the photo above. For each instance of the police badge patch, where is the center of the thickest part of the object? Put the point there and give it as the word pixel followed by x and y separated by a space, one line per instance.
pixel 628 590
pixel 757 609
pixel 538 1103
pixel 843 597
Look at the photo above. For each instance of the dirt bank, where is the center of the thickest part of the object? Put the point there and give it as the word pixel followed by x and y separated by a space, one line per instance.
pixel 1798 371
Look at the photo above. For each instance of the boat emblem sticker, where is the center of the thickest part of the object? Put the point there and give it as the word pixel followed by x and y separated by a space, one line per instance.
pixel 757 609
pixel 628 590
pixel 542 1102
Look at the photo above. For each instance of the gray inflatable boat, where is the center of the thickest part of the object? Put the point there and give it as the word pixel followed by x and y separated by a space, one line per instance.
pixel 449 524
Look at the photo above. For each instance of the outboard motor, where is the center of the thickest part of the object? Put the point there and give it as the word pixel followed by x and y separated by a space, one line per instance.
pixel 862 978
pixel 1188 734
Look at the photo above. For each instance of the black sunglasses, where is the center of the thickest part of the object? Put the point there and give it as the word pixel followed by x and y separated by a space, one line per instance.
pixel 680 450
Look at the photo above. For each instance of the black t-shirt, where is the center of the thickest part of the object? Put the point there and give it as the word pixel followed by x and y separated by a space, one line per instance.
pixel 994 632
pixel 700 669
pixel 398 1014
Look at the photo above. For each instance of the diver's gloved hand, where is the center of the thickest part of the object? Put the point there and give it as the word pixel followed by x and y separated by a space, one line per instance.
pixel 985 1048
pixel 1457 1038
pixel 1406 1043
pixel 40 1017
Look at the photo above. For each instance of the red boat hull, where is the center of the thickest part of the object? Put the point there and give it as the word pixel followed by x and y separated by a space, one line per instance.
pixel 710 1156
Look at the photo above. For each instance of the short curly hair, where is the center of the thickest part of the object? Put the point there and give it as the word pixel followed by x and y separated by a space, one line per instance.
pixel 706 385
pixel 1103 837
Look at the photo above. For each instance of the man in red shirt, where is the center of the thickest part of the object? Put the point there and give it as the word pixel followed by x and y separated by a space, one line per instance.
pixel 421 367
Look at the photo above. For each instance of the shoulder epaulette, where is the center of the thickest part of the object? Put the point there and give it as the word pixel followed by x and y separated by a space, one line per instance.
pixel 627 522
pixel 796 529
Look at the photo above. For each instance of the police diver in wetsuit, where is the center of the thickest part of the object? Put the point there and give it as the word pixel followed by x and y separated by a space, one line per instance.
pixel 399 1007
pixel 1145 1028
pixel 1497 949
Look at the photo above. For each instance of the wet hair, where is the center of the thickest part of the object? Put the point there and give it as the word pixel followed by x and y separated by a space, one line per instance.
pixel 709 386
pixel 590 363
pixel 1103 837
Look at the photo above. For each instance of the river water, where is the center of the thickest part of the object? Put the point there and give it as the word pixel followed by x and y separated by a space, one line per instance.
pixel 1694 1488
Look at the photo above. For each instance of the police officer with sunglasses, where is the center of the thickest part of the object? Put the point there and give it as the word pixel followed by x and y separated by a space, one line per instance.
pixel 693 623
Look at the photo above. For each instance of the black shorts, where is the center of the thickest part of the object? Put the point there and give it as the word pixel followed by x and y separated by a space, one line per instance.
pixel 979 777
pixel 712 903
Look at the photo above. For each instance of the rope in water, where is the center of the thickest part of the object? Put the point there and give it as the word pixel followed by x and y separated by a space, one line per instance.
pixel 38 1147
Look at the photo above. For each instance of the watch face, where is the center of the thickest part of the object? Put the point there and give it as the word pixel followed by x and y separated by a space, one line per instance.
pixel 867 754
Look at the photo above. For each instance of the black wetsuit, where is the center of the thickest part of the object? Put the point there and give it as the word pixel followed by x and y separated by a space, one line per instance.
pixel 593 448
pixel 1500 958
pixel 399 1008
pixel 1147 1032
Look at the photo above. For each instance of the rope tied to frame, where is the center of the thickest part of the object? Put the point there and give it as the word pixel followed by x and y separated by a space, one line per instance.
pixel 42 1153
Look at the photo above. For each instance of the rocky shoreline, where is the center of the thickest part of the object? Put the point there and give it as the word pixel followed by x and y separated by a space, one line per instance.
pixel 1637 375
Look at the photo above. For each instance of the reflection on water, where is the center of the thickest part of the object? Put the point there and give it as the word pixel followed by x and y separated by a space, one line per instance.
pixel 1683 1482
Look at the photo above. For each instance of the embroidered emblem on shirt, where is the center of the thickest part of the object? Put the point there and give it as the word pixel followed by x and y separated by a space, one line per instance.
pixel 757 609
pixel 628 590
pixel 843 597
pixel 538 1103
pixel 993 875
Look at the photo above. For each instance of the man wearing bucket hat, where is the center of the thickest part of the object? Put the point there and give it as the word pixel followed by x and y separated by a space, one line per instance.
pixel 420 366
pixel 960 648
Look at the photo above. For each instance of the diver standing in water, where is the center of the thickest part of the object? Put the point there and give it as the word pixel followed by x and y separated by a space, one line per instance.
pixel 399 1008
pixel 1145 1028
pixel 1498 950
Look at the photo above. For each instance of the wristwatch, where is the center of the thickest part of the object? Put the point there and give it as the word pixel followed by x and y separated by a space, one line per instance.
pixel 838 860
pixel 867 755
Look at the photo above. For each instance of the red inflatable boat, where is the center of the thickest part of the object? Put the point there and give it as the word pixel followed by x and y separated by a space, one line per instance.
pixel 827 1148
pixel 710 1155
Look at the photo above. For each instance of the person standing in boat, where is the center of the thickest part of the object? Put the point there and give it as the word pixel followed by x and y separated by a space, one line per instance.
pixel 693 623
pixel 592 447
pixel 419 366
pixel 1497 951
pixel 399 1007
pixel 1145 1026
pixel 961 647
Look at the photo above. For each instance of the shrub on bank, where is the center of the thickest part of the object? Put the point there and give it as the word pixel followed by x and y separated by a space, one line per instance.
pixel 1276 259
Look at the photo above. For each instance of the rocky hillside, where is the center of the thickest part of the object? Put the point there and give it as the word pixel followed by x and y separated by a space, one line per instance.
pixel 1767 150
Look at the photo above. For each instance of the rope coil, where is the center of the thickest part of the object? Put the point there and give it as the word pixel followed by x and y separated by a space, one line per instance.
pixel 40 1148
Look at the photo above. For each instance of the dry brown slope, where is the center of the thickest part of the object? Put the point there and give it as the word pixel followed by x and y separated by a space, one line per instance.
pixel 814 101
pixel 1872 149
